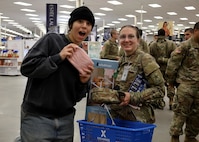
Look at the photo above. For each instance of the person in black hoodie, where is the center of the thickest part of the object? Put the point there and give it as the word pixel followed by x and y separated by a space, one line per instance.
pixel 54 85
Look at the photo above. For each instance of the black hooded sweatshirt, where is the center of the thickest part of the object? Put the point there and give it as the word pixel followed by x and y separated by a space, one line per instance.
pixel 53 87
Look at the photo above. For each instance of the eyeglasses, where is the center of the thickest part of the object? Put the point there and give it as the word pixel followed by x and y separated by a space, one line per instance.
pixel 130 36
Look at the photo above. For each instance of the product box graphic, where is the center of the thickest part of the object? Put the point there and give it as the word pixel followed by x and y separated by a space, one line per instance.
pixel 102 77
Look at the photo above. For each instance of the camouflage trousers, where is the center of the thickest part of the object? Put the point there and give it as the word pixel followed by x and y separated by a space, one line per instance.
pixel 170 91
pixel 186 110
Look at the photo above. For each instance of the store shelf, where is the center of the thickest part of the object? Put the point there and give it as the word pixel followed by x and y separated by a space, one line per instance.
pixel 9 66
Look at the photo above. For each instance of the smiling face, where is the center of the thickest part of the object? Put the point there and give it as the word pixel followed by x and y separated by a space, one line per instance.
pixel 129 39
pixel 79 31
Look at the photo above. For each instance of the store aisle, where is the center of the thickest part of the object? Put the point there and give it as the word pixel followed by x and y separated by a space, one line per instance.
pixel 11 95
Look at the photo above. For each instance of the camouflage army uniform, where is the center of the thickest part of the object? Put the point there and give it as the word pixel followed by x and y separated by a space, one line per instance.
pixel 183 69
pixel 139 63
pixel 143 46
pixel 161 51
pixel 110 50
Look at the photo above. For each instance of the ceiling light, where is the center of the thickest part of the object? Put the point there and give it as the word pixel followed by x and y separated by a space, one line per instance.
pixel 28 10
pixel 155 5
pixel 171 13
pixel 34 15
pixel 100 14
pixel 116 22
pixel 190 8
pixel 22 3
pixel 184 19
pixel 97 18
pixel 4 17
pixel 114 2
pixel 34 18
pixel 197 15
pixel 140 11
pixel 130 15
pixel 67 6
pixel 122 19
pixel 192 23
pixel 139 23
pixel 147 20
pixel 65 12
pixel 111 24
pixel 8 20
pixel 106 9
pixel 158 17
pixel 65 16
pixel 180 25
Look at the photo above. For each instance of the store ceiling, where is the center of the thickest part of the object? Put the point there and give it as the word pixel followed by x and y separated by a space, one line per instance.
pixel 11 10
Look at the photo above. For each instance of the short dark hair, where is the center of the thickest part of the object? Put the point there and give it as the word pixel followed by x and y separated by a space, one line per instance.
pixel 189 29
pixel 196 26
pixel 161 32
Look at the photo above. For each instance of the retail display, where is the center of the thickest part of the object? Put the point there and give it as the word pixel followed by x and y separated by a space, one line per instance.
pixel 8 62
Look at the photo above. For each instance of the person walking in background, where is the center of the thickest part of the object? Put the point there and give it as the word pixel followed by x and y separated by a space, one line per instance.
pixel 183 71
pixel 136 64
pixel 54 85
pixel 161 50
pixel 110 48
pixel 188 33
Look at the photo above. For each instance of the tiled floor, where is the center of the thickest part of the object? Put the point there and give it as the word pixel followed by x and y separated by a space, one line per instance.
pixel 11 94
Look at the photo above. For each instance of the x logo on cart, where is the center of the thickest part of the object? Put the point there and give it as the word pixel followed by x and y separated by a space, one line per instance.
pixel 103 133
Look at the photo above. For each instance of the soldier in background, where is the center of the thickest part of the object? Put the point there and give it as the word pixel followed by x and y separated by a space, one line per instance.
pixel 183 70
pixel 161 50
pixel 142 43
pixel 135 64
pixel 188 33
pixel 110 48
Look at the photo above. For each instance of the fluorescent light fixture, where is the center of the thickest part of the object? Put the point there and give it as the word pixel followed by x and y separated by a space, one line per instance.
pixel 197 15
pixel 155 5
pixel 122 19
pixel 147 20
pixel 34 18
pixel 64 16
pixel 140 11
pixel 130 15
pixel 67 6
pixel 100 14
pixel 97 18
pixel 1 13
pixel 13 23
pixel 151 26
pixel 36 21
pixel 158 17
pixel 106 9
pixel 114 2
pixel 190 8
pixel 184 19
pixel 110 24
pixel 171 13
pixel 116 22
pixel 71 0
pixel 28 10
pixel 22 3
pixel 192 23
pixel 180 25
pixel 8 20
pixel 139 23
pixel 65 12
pixel 34 15
pixel 4 17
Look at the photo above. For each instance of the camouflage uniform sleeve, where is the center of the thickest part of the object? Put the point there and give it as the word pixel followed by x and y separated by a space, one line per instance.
pixel 174 63
pixel 155 89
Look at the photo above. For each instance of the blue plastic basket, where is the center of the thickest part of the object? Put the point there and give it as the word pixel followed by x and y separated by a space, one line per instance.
pixel 123 131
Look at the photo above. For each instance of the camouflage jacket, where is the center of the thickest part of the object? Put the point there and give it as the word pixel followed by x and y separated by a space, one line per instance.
pixel 183 66
pixel 142 63
pixel 110 50
pixel 161 51
pixel 143 46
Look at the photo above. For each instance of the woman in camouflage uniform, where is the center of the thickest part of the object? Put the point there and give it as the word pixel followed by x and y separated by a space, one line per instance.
pixel 140 79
